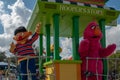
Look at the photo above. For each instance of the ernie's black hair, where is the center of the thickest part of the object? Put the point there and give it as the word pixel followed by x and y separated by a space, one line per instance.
pixel 20 29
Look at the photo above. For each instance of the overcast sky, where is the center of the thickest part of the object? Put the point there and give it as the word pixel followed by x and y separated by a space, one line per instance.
pixel 14 13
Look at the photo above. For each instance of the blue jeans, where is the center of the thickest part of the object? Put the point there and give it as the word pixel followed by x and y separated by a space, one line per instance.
pixel 31 68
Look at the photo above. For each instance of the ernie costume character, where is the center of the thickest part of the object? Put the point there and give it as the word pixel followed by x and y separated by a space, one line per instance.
pixel 22 48
pixel 91 52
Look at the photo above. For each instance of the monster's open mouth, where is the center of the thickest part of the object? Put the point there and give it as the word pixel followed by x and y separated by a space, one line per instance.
pixel 95 37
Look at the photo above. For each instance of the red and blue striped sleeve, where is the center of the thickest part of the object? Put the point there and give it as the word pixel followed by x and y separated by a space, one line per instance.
pixel 33 38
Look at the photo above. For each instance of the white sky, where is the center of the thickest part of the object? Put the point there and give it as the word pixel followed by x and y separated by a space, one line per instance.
pixel 19 15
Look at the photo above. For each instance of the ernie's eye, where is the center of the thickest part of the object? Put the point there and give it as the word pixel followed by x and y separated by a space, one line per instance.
pixel 22 34
pixel 93 27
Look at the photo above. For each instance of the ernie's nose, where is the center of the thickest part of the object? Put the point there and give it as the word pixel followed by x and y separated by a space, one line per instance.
pixel 20 38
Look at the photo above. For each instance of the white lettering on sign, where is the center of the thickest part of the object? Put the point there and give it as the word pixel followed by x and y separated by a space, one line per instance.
pixel 81 10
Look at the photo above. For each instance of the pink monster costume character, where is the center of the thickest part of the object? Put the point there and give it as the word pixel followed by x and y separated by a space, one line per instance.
pixel 90 47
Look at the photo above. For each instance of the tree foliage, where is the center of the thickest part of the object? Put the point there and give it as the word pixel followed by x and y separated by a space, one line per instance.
pixel 2 56
pixel 114 64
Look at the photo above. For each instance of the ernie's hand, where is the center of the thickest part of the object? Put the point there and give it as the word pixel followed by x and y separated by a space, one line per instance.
pixel 38 26
pixel 12 47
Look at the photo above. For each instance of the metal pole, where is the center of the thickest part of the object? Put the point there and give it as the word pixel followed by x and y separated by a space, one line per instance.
pixel 103 42
pixel 47 41
pixel 40 53
pixel 75 37
pixel 56 36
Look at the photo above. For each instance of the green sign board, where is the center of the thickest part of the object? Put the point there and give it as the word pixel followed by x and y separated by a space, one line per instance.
pixel 44 12
pixel 81 10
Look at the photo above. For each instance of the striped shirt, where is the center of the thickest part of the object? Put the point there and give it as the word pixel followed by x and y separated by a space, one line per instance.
pixel 26 49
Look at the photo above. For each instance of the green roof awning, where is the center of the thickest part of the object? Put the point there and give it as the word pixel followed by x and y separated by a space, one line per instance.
pixel 44 11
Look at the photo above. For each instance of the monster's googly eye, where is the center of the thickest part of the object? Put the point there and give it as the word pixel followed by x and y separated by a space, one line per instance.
pixel 93 27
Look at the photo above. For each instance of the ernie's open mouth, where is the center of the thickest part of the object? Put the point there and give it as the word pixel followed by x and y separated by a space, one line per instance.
pixel 20 39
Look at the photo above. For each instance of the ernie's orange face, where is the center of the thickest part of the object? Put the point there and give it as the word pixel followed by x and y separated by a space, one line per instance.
pixel 22 37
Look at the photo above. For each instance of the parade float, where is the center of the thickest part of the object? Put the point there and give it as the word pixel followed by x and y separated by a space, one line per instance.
pixel 68 18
